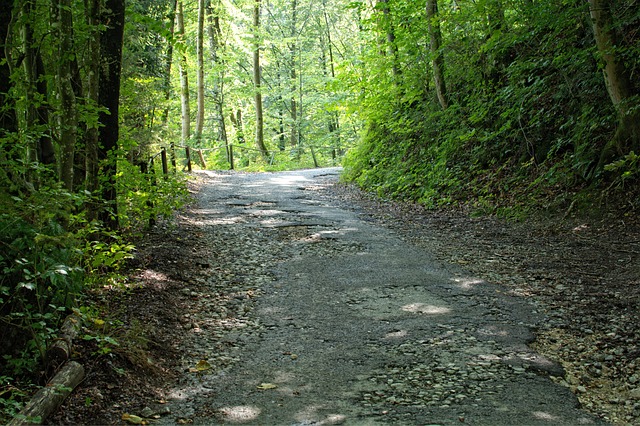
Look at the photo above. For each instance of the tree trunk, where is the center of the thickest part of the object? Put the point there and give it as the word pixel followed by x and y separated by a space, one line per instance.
pixel 257 81
pixel 109 98
pixel 68 118
pixel 618 82
pixel 8 118
pixel 61 349
pixel 334 121
pixel 48 399
pixel 392 47
pixel 215 36
pixel 92 167
pixel 37 112
pixel 293 136
pixel 200 76
pixel 435 38
pixel 169 62
pixel 167 78
pixel 184 81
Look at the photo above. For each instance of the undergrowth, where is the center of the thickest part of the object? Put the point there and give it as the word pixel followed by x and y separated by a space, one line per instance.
pixel 51 255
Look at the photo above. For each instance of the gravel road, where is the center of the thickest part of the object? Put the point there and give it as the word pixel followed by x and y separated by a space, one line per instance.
pixel 332 319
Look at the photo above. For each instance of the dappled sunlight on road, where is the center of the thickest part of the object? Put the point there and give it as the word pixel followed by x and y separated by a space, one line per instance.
pixel 398 334
pixel 155 279
pixel 423 308
pixel 467 283
pixel 240 413
pixel 288 180
pixel 311 412
pixel 543 415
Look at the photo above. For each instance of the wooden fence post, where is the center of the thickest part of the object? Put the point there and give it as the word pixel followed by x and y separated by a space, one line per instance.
pixel 172 151
pixel 204 165
pixel 165 166
pixel 144 168
pixel 231 157
pixel 154 182
pixel 188 152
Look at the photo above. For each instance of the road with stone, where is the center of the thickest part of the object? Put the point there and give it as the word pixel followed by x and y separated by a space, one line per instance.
pixel 337 320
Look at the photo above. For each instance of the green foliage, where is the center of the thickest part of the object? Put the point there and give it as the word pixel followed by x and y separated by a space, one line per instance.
pixel 626 169
pixel 12 399
pixel 529 113
pixel 143 197
pixel 39 271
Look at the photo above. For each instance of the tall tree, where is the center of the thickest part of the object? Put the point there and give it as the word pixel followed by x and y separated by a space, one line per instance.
pixel 8 119
pixel 92 135
pixel 257 80
pixel 68 115
pixel 215 46
pixel 36 105
pixel 334 120
pixel 184 78
pixel 167 75
pixel 617 78
pixel 437 61
pixel 112 17
pixel 294 138
pixel 200 76
pixel 391 44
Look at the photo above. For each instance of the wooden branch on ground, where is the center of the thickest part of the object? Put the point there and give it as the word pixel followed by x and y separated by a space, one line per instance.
pixel 47 400
pixel 60 350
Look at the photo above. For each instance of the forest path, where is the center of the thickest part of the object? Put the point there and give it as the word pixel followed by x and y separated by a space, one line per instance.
pixel 329 318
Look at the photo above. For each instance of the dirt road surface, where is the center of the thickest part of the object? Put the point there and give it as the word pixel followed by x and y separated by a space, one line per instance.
pixel 273 303
pixel 352 325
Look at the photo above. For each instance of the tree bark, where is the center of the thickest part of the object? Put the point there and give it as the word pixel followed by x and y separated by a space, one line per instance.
pixel 109 97
pixel 92 136
pixel 59 351
pixel 334 121
pixel 200 76
pixel 435 39
pixel 215 44
pixel 392 46
pixel 68 118
pixel 184 80
pixel 167 78
pixel 617 79
pixel 293 136
pixel 47 400
pixel 8 120
pixel 257 81
pixel 37 111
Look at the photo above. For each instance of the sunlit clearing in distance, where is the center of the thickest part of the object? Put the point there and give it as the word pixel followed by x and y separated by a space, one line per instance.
pixel 423 308
pixel 467 283
pixel 288 180
pixel 240 413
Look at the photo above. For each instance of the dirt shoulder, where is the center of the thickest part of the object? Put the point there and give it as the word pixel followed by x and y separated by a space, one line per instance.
pixel 583 276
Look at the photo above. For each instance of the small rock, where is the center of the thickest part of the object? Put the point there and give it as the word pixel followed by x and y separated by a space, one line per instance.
pixel 147 412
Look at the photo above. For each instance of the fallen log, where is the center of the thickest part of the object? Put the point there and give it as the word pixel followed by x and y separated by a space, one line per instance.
pixel 60 350
pixel 48 399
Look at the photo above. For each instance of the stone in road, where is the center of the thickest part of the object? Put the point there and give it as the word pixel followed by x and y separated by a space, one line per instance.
pixel 360 327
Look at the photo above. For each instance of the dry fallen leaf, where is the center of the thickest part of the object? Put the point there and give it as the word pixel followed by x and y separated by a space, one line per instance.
pixel 202 365
pixel 133 419
pixel 265 386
